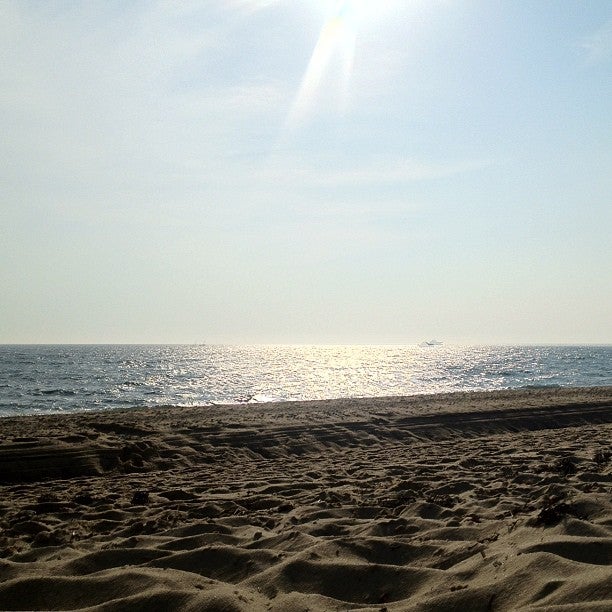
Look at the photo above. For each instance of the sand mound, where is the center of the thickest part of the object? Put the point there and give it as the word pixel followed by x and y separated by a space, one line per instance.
pixel 490 501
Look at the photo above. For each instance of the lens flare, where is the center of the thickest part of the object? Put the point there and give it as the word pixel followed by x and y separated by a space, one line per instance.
pixel 337 39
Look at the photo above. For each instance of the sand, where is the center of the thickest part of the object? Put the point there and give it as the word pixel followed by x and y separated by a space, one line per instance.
pixel 482 501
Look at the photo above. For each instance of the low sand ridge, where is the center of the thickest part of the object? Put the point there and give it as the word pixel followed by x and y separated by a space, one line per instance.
pixel 471 501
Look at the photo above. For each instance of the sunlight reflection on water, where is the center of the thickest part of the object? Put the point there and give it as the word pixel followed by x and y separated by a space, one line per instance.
pixel 75 378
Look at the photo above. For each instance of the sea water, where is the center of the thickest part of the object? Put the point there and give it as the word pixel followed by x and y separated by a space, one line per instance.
pixel 76 378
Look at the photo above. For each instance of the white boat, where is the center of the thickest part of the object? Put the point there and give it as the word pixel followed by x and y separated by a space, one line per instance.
pixel 432 343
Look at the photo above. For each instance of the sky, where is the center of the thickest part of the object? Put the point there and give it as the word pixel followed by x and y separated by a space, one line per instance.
pixel 306 171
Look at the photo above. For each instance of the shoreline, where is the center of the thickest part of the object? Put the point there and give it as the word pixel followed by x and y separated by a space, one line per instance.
pixel 472 500
pixel 546 394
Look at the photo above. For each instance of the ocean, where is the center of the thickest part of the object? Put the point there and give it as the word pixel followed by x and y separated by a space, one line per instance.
pixel 44 379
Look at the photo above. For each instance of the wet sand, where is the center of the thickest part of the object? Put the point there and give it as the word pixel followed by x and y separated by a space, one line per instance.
pixel 469 501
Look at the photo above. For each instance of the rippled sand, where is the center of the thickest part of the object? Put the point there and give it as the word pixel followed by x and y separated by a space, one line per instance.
pixel 486 501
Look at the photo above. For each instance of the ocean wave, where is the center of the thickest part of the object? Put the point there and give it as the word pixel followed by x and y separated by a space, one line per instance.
pixel 60 392
pixel 77 378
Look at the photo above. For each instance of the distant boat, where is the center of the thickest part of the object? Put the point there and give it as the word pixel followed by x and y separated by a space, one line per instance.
pixel 432 343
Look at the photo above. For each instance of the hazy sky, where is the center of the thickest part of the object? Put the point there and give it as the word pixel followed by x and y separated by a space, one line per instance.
pixel 306 171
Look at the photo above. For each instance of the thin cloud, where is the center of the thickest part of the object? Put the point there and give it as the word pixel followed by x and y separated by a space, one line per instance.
pixel 403 171
pixel 252 6
pixel 119 106
pixel 598 46
pixel 377 173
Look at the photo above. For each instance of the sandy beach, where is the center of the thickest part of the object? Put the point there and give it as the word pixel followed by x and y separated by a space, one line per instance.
pixel 468 501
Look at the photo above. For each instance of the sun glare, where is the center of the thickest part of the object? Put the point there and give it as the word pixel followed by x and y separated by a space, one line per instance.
pixel 336 40
pixel 336 44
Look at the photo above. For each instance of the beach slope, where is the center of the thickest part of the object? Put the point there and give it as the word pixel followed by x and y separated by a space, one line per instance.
pixel 467 501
